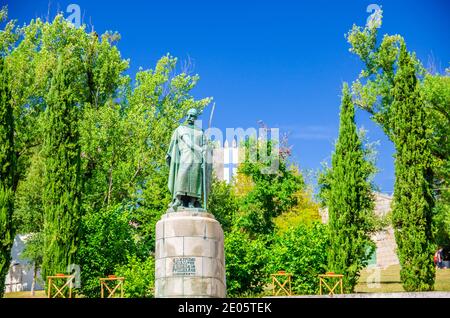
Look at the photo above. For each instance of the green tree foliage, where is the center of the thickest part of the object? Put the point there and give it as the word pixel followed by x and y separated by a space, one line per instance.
pixel 106 150
pixel 8 157
pixel 302 251
pixel 413 200
pixel 29 209
pixel 139 277
pixel 375 91
pixel 436 96
pixel 369 149
pixel 29 214
pixel 71 83
pixel 33 252
pixel 305 211
pixel 350 200
pixel 33 61
pixel 222 203
pixel 8 36
pixel 61 148
pixel 271 194
pixel 372 89
pixel 108 242
pixel 254 246
pixel 97 65
pixel 246 260
pixel 7 167
pixel 441 224
pixel 105 138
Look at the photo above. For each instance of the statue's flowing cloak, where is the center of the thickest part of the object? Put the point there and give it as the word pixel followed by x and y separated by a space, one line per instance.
pixel 174 154
pixel 185 172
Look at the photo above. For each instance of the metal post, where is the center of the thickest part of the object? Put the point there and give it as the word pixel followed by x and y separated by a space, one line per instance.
pixel 204 171
pixel 320 285
pixel 49 287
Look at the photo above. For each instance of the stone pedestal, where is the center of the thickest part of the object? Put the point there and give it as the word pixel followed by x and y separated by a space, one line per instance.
pixel 189 255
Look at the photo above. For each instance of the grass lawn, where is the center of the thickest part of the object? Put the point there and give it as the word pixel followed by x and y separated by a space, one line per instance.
pixel 390 281
pixel 26 294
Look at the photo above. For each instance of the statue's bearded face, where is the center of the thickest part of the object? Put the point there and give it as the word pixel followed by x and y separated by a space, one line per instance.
pixel 191 118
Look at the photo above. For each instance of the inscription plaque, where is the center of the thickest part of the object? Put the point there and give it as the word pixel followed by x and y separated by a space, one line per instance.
pixel 184 266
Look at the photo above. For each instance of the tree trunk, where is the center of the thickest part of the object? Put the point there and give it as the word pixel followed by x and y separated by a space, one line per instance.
pixel 33 283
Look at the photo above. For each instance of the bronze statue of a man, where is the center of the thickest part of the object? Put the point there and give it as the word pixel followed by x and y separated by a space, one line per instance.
pixel 186 158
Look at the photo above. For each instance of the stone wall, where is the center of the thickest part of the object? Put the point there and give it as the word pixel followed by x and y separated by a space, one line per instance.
pixel 385 239
pixel 386 254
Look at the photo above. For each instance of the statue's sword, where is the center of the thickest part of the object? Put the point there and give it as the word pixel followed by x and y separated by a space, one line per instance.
pixel 205 199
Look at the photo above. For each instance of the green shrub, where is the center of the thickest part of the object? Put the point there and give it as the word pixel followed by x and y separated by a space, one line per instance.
pixel 301 251
pixel 107 241
pixel 245 264
pixel 222 203
pixel 139 277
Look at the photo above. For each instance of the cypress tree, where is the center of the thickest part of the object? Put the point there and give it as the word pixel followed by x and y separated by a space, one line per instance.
pixel 61 150
pixel 413 200
pixel 350 200
pixel 7 165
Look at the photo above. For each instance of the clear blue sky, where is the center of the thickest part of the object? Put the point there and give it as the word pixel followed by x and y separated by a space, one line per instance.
pixel 282 62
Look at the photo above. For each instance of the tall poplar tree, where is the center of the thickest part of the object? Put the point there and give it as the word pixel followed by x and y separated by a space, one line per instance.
pixel 7 165
pixel 413 200
pixel 61 150
pixel 350 200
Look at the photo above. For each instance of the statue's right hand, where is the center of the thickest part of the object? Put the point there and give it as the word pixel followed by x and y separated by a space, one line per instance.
pixel 168 160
